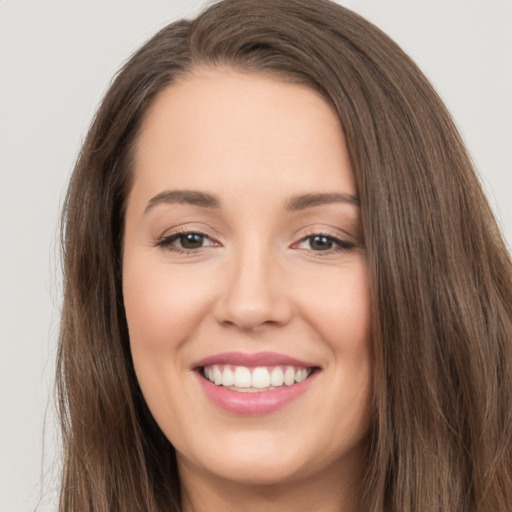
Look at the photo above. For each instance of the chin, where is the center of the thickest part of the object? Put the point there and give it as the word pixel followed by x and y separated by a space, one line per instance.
pixel 255 470
pixel 260 458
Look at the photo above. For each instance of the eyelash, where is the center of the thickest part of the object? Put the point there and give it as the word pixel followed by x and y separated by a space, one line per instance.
pixel 168 241
pixel 339 245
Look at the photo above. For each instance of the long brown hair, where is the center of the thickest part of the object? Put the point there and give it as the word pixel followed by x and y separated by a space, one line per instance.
pixel 441 278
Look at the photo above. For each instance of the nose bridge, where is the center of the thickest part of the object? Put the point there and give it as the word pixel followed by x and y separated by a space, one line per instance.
pixel 254 294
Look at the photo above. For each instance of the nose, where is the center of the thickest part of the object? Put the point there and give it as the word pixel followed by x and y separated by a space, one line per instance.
pixel 254 295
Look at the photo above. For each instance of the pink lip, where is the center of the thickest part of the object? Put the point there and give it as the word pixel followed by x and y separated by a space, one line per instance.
pixel 252 360
pixel 261 402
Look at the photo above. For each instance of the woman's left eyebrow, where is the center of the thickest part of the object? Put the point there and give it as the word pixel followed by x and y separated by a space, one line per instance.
pixel 310 200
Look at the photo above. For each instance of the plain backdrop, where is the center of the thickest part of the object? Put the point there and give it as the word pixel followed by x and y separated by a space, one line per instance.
pixel 56 61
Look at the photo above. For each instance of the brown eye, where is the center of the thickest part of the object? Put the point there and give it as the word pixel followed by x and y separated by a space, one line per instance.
pixel 320 243
pixel 191 240
pixel 187 242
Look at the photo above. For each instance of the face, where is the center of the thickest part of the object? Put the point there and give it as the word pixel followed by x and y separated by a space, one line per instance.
pixel 245 280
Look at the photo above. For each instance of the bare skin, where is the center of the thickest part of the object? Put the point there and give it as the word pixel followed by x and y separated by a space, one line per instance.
pixel 243 236
pixel 208 493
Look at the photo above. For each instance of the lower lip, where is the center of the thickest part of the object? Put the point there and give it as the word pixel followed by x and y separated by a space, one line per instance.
pixel 254 403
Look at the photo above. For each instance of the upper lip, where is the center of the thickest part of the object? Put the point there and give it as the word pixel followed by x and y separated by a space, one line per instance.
pixel 252 360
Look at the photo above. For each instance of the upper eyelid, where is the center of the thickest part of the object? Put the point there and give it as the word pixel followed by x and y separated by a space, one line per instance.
pixel 329 231
pixel 176 234
pixel 323 234
pixel 186 229
pixel 341 243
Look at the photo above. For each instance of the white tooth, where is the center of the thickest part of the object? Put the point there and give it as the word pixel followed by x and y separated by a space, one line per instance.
pixel 260 378
pixel 217 375
pixel 228 379
pixel 277 376
pixel 242 377
pixel 209 373
pixel 289 375
pixel 301 374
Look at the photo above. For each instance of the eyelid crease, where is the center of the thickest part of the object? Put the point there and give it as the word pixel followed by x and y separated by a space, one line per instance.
pixel 328 230
pixel 190 227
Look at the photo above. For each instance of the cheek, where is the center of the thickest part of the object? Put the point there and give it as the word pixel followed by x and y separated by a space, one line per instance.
pixel 338 309
pixel 337 305
pixel 344 324
pixel 163 307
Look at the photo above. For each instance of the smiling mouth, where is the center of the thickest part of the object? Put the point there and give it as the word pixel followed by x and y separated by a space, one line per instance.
pixel 254 383
pixel 257 379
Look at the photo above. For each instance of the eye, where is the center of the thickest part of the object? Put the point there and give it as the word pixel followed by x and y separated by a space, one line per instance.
pixel 323 243
pixel 189 241
pixel 320 243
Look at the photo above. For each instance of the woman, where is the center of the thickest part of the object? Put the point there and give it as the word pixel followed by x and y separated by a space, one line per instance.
pixel 284 286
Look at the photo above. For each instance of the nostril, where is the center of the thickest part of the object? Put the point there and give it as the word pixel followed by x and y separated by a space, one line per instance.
pixel 252 314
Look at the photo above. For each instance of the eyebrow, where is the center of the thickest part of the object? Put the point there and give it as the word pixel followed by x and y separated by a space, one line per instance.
pixel 305 201
pixel 205 200
pixel 192 197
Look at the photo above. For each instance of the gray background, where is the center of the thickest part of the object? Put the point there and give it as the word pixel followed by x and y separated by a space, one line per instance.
pixel 56 60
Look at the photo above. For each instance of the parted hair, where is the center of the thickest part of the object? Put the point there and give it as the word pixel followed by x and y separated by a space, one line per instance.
pixel 440 275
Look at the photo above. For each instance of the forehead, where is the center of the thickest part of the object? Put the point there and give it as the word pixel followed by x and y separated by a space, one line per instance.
pixel 223 127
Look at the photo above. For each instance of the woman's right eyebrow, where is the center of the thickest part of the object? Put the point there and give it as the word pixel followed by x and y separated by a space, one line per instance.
pixel 193 197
